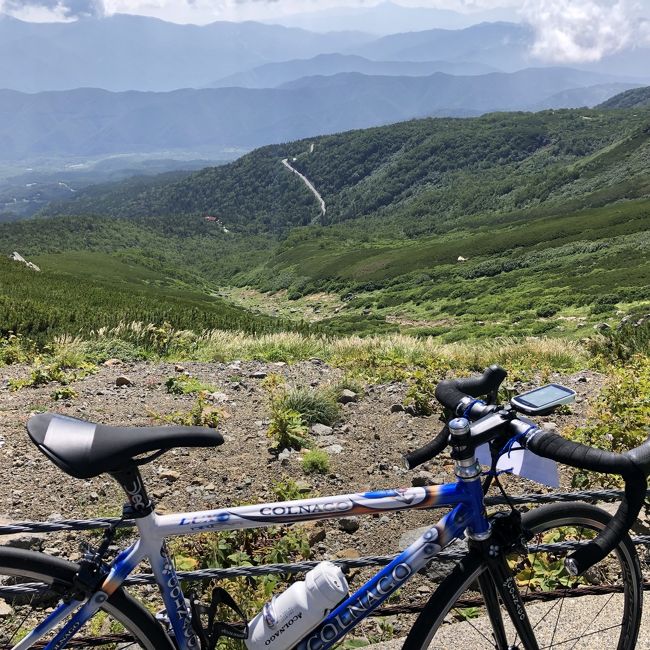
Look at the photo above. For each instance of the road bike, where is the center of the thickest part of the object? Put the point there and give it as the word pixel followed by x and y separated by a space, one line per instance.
pixel 558 576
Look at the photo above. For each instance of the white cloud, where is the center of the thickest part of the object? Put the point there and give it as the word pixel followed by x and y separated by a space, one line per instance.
pixel 584 30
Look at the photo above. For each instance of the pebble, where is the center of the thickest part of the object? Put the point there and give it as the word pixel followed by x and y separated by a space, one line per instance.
pixel 259 374
pixel 5 610
pixel 317 536
pixel 123 381
pixel 321 430
pixel 349 524
pixel 334 449
pixel 396 408
pixel 422 479
pixel 348 396
pixel 169 475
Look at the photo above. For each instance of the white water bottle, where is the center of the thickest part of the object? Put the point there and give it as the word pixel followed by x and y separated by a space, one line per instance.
pixel 287 618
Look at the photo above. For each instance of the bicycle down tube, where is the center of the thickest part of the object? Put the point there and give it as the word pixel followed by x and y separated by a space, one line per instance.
pixel 468 513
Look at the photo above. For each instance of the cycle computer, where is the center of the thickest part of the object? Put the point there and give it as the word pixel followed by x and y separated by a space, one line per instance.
pixel 542 400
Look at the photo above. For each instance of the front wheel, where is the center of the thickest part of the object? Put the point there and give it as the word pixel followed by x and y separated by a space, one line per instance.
pixel 32 583
pixel 601 609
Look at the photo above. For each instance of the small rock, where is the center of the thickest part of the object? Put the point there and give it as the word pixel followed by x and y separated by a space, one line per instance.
pixel 321 430
pixel 349 524
pixel 259 374
pixel 123 381
pixel 284 456
pixel 52 550
pixel 218 398
pixel 422 479
pixel 279 364
pixel 303 487
pixel 169 475
pixel 5 610
pixel 317 536
pixel 549 426
pixel 346 428
pixel 348 396
pixel 410 410
pixel 334 449
pixel 179 368
pixel 347 554
pixel 582 379
pixel 396 408
pixel 112 362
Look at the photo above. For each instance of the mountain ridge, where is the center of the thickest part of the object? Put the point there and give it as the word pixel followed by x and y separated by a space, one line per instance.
pixel 90 122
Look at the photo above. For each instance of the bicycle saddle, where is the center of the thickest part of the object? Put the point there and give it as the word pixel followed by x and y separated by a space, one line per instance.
pixel 85 449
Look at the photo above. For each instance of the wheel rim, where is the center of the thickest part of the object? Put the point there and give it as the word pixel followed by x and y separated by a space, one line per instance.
pixel 26 598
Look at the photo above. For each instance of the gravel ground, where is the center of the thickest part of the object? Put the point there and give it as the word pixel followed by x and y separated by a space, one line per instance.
pixel 365 451
pixel 597 610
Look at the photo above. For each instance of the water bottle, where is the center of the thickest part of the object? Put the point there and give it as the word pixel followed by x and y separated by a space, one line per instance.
pixel 287 618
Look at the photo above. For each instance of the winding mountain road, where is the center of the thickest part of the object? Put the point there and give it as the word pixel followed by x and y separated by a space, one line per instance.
pixel 309 185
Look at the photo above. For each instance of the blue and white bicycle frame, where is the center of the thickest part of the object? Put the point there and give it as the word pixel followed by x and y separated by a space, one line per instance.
pixel 468 514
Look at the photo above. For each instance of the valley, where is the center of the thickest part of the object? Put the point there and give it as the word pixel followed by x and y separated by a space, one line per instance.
pixel 511 224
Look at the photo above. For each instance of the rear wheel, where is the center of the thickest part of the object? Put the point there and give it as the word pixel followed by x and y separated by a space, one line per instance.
pixel 601 609
pixel 33 583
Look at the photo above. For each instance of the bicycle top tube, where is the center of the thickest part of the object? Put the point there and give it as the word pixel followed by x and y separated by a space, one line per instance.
pixel 467 493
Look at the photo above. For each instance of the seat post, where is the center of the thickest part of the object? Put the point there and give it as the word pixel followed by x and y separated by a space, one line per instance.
pixel 130 480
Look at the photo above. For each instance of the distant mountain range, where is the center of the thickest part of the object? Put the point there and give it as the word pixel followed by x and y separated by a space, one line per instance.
pixel 388 18
pixel 272 75
pixel 154 55
pixel 124 52
pixel 92 122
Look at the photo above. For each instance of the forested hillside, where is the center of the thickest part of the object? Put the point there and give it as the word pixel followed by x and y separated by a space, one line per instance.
pixel 504 224
pixel 635 98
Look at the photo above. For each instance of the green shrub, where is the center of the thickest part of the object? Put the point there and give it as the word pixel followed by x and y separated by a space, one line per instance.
pixel 65 392
pixel 202 414
pixel 14 348
pixel 186 385
pixel 103 348
pixel 312 405
pixel 547 310
pixel 316 461
pixel 630 338
pixel 620 420
pixel 420 393
pixel 287 428
pixel 288 490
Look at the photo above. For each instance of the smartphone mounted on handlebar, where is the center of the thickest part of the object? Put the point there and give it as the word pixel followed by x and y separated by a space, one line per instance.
pixel 544 400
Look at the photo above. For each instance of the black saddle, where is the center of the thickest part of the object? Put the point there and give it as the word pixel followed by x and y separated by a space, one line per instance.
pixel 85 449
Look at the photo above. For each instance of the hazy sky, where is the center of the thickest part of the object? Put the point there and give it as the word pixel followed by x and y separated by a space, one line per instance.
pixel 567 30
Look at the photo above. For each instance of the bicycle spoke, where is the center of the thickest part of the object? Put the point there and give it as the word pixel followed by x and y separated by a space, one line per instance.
pixel 466 620
pixel 582 636
pixel 593 619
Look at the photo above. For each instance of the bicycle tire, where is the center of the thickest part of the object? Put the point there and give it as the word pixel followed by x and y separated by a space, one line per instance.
pixel 123 614
pixel 433 627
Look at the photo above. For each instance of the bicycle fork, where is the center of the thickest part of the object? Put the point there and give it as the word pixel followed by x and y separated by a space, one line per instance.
pixel 498 583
